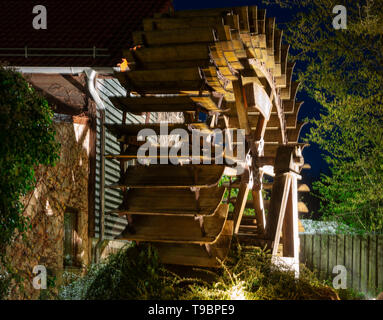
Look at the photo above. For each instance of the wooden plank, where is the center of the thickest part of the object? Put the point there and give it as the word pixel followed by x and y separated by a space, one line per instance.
pixel 275 206
pixel 302 242
pixel 292 222
pixel 340 250
pixel 258 98
pixel 292 106
pixel 273 135
pixel 176 229
pixel 187 22
pixel 364 259
pixel 188 255
pixel 194 255
pixel 372 284
pixel 157 155
pixel 261 20
pixel 332 255
pixel 380 261
pixel 289 227
pixel 301 187
pixel 286 92
pixel 290 119
pixel 177 36
pixel 317 254
pixel 164 104
pixel 204 12
pixel 217 82
pixel 253 19
pixel 293 134
pixel 240 204
pixel 241 107
pixel 277 52
pixel 324 257
pixel 249 220
pixel 208 102
pixel 281 81
pixel 243 13
pixel 356 267
pixel 182 202
pixel 302 208
pixel 182 154
pixel 270 33
pixel 252 240
pixel 278 203
pixel 348 255
pixel 259 210
pixel 172 56
pixel 308 253
pixel 158 81
pixel 170 176
pixel 120 130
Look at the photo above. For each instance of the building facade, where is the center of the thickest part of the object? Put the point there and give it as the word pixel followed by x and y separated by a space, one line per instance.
pixel 72 63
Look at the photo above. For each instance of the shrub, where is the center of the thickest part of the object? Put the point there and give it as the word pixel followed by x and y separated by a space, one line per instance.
pixel 135 273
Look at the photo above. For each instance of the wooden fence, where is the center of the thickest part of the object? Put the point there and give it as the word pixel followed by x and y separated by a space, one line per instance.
pixel 361 255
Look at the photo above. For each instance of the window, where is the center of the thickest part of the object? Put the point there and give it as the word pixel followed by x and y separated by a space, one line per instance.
pixel 70 237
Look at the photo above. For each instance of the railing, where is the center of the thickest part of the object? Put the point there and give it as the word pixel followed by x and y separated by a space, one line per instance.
pixel 27 52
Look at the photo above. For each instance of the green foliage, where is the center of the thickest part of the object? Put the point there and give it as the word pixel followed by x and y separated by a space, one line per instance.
pixel 130 274
pixel 27 140
pixel 350 294
pixel 343 71
pixel 250 274
pixel 135 273
pixel 233 194
pixel 5 282
pixel 75 287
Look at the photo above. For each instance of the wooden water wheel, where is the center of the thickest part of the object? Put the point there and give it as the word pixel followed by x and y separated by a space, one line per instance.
pixel 230 64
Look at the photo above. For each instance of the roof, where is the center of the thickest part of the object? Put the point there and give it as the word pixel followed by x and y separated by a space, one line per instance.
pixel 80 24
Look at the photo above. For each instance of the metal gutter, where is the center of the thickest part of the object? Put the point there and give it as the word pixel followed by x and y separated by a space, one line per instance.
pixel 64 70
pixel 92 78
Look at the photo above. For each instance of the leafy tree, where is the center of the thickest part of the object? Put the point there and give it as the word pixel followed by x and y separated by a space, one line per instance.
pixel 343 71
pixel 27 139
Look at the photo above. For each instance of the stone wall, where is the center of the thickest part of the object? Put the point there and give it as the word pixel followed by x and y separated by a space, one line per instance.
pixel 60 187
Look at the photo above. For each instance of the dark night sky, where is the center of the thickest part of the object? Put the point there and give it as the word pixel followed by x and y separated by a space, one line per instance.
pixel 310 109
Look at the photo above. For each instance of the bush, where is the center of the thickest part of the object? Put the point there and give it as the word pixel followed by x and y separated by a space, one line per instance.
pixel 250 274
pixel 135 273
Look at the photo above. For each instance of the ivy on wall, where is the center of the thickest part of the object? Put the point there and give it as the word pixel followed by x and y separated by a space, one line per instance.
pixel 27 139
